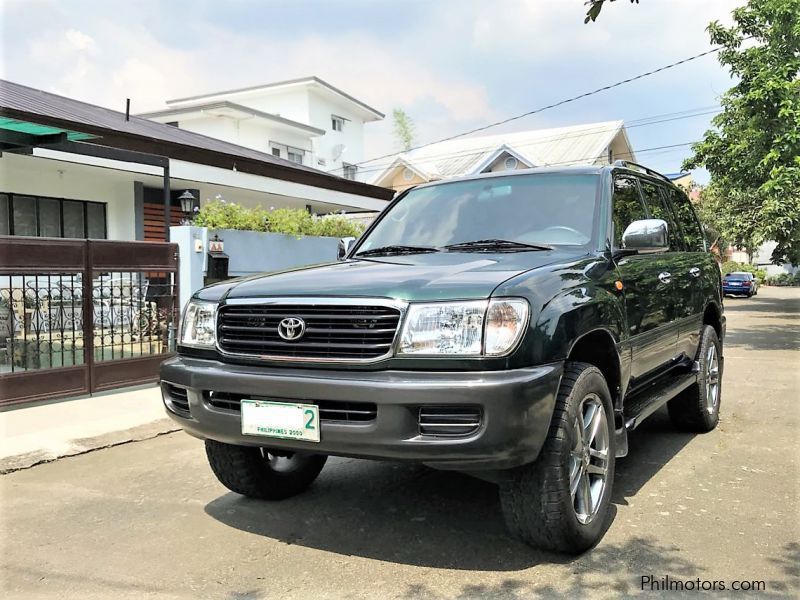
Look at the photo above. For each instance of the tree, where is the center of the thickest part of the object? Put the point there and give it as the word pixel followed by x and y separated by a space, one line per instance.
pixel 753 152
pixel 403 128
pixel 595 6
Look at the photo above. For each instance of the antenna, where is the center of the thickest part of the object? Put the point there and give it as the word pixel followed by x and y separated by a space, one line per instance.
pixel 127 109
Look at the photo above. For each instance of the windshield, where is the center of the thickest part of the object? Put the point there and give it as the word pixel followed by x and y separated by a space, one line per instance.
pixel 545 209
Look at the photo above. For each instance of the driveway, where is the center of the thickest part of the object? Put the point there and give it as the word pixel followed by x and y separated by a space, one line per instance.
pixel 148 520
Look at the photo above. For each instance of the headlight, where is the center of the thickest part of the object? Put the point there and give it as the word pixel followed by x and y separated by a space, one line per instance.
pixel 473 328
pixel 197 328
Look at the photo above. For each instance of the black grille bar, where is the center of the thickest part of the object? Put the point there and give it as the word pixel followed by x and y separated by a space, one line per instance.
pixel 332 331
pixel 449 420
pixel 177 399
pixel 329 410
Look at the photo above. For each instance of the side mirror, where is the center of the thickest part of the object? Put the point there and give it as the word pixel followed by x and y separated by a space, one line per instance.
pixel 646 236
pixel 344 247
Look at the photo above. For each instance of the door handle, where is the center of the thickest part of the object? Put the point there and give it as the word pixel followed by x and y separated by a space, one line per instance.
pixel 694 272
pixel 665 277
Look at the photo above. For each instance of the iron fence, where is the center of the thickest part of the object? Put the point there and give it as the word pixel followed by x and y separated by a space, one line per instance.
pixel 106 319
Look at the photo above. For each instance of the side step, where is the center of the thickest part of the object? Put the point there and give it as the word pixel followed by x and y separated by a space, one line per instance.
pixel 644 404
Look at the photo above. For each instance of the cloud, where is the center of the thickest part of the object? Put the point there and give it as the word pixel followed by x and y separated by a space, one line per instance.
pixel 452 65
pixel 80 41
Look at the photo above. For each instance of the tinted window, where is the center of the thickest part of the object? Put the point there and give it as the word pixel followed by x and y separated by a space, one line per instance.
pixel 73 220
pixel 4 228
pixel 627 206
pixel 96 221
pixel 556 209
pixel 684 213
pixel 25 215
pixel 658 209
pixel 49 217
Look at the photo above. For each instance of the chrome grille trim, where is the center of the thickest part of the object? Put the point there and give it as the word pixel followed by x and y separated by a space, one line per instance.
pixel 318 303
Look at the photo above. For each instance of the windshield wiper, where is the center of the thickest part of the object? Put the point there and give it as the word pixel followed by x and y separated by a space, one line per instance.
pixel 494 245
pixel 395 250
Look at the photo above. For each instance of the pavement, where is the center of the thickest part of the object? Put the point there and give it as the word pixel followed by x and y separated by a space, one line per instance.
pixel 32 435
pixel 148 520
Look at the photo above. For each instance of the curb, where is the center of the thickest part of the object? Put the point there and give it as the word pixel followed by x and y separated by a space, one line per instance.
pixel 80 446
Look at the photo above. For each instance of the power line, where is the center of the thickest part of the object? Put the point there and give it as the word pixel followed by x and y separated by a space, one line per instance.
pixel 553 105
pixel 643 122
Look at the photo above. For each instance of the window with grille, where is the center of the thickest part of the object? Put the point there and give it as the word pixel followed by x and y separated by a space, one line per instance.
pixel 40 216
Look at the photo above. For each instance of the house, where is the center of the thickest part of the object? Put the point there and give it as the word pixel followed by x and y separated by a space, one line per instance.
pixel 686 181
pixel 307 121
pixel 100 311
pixel 594 143
pixel 73 169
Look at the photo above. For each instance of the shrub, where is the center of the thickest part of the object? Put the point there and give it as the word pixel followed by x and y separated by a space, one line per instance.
pixel 784 279
pixel 292 221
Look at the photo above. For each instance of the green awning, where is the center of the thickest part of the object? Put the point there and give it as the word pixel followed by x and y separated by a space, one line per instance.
pixel 36 130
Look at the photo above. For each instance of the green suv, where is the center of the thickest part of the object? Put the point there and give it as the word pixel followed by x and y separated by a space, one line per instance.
pixel 512 325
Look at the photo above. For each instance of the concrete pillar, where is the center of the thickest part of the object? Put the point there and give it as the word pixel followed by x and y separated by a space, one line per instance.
pixel 193 244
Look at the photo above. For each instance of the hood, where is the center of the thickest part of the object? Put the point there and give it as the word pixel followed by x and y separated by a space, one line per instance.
pixel 418 277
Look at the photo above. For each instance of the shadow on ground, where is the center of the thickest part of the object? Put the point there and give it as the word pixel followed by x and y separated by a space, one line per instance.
pixel 409 514
pixel 775 327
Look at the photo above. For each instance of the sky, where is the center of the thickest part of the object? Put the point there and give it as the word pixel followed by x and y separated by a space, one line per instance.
pixel 452 65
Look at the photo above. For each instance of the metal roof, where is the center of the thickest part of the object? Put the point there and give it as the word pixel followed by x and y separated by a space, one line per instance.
pixel 111 128
pixel 561 146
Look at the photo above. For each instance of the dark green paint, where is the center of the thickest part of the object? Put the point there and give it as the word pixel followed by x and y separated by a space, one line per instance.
pixel 572 294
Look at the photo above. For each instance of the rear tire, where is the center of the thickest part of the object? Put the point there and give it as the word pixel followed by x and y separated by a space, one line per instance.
pixel 548 503
pixel 697 407
pixel 257 473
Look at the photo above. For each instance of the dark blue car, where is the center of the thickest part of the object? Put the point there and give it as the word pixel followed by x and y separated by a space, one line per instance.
pixel 739 284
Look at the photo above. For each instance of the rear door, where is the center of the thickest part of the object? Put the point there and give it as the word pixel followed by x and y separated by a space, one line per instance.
pixel 648 299
pixel 701 272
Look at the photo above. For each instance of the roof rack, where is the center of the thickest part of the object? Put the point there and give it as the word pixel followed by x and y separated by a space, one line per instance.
pixel 637 167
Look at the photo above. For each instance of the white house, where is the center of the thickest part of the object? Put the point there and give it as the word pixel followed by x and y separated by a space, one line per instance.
pixel 594 143
pixel 72 169
pixel 307 121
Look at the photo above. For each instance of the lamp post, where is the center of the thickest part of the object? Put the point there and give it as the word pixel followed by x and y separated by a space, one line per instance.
pixel 187 200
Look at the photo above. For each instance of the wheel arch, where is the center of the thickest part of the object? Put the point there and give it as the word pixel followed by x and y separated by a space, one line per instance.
pixel 712 315
pixel 598 347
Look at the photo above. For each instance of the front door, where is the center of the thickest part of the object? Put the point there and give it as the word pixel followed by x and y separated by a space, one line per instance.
pixel 647 288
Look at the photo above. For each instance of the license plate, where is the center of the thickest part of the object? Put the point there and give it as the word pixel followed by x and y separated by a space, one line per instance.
pixel 734 283
pixel 280 420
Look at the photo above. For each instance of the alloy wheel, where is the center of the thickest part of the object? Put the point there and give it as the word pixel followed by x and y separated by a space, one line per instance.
pixel 712 379
pixel 589 459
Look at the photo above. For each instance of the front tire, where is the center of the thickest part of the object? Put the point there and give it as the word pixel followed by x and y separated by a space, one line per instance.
pixel 260 473
pixel 697 407
pixel 561 501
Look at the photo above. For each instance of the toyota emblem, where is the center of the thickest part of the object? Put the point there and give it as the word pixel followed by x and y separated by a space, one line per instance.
pixel 291 328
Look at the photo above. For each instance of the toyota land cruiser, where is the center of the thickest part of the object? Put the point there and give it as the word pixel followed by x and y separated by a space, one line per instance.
pixel 511 325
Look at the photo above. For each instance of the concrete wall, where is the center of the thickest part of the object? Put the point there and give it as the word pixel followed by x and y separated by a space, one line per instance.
pixel 57 179
pixel 249 252
pixel 251 133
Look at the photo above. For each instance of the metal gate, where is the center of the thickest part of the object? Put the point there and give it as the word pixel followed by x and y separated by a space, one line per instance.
pixel 80 316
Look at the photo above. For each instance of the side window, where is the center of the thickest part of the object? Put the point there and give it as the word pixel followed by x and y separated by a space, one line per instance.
pixel 692 232
pixel 627 206
pixel 656 205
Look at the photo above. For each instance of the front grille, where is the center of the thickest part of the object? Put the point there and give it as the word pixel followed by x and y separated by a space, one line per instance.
pixel 332 332
pixel 449 420
pixel 329 410
pixel 177 399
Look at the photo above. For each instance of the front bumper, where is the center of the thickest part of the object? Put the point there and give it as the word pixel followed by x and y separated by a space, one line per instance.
pixel 516 406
